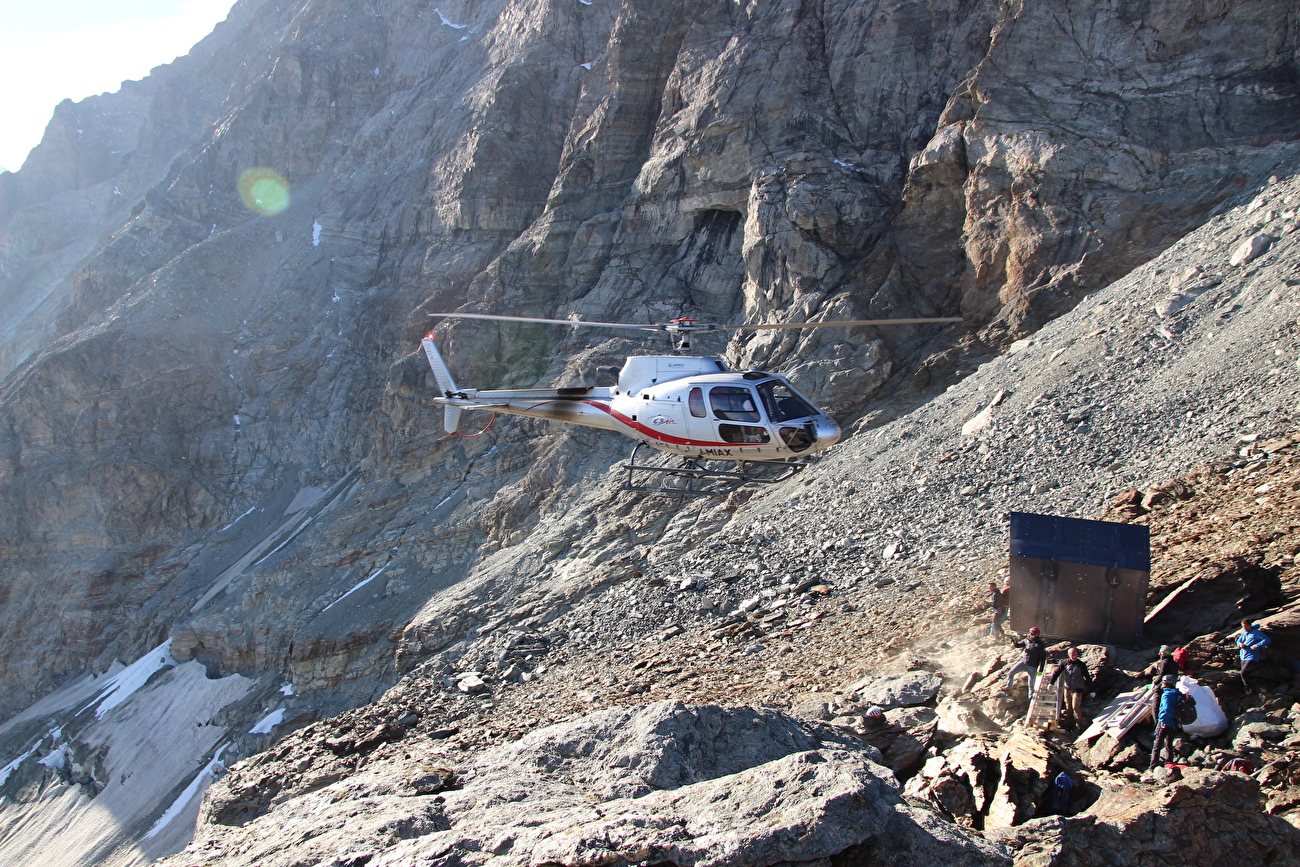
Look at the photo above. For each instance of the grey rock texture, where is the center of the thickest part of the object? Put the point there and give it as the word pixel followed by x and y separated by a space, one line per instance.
pixel 662 783
pixel 1207 818
pixel 179 370
pixel 898 690
pixel 185 360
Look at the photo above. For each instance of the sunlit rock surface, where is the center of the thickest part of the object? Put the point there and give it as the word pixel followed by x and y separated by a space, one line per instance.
pixel 179 369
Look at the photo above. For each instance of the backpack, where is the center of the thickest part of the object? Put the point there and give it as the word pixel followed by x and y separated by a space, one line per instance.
pixel 1186 709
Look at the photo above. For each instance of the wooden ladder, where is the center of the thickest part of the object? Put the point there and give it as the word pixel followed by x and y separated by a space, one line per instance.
pixel 1044 706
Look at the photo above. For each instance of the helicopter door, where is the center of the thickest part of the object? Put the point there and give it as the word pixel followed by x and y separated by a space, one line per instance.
pixel 699 424
pixel 738 420
pixel 665 417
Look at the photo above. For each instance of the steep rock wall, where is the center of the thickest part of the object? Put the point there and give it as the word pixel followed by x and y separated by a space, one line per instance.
pixel 184 361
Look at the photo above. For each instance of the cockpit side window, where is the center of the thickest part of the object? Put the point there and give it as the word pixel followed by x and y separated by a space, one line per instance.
pixel 743 434
pixel 732 403
pixel 783 403
pixel 696 402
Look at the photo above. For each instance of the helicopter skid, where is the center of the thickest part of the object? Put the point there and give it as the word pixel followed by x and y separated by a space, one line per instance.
pixel 695 478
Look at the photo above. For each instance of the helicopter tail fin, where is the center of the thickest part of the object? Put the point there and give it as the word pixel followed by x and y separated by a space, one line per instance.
pixel 450 418
pixel 440 372
pixel 447 385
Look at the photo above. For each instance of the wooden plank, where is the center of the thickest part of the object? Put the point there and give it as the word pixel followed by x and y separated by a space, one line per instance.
pixel 1108 714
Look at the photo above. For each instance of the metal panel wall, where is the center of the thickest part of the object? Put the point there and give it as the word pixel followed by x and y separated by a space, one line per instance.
pixel 1079 580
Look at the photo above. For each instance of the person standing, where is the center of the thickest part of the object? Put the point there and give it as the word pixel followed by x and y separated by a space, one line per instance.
pixel 1166 664
pixel 1031 661
pixel 1074 677
pixel 1164 702
pixel 999 598
pixel 1250 643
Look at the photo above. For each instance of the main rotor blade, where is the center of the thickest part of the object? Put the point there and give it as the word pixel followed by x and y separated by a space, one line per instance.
pixel 839 323
pixel 575 322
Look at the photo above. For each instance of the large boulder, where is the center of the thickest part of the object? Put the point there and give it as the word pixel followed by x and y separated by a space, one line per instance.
pixel 664 783
pixel 1212 599
pixel 897 690
pixel 1207 818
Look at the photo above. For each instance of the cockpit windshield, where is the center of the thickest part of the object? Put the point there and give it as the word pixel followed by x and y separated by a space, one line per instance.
pixel 782 402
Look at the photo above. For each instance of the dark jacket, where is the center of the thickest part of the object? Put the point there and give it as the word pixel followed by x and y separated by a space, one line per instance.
pixel 1074 673
pixel 1166 665
pixel 1035 652
pixel 998 600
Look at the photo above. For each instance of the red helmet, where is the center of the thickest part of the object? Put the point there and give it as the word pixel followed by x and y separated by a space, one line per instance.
pixel 1033 630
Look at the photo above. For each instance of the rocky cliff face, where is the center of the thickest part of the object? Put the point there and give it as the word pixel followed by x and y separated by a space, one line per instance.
pixel 215 426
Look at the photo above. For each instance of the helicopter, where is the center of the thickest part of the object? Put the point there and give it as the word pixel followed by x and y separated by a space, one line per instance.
pixel 731 428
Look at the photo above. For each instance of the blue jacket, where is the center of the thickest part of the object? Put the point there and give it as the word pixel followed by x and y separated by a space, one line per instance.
pixel 1251 643
pixel 1168 713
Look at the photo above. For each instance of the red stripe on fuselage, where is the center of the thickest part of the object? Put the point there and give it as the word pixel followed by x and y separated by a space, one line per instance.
pixel 663 437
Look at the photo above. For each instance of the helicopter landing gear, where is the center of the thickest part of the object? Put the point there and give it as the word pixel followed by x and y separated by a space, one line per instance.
pixel 703 477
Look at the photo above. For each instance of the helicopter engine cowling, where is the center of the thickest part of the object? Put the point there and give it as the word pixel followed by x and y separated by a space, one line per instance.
pixel 642 371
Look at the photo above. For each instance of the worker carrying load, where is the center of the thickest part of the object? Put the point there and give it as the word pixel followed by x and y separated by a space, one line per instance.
pixel 1164 706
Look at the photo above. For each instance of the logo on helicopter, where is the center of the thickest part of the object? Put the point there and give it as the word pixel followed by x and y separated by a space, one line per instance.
pixel 662 419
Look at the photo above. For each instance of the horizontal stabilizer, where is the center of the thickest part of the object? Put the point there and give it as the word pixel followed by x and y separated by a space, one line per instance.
pixel 446 384
pixel 451 418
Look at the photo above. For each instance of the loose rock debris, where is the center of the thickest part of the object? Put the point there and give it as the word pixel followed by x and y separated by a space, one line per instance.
pixel 898 536
pixel 943 724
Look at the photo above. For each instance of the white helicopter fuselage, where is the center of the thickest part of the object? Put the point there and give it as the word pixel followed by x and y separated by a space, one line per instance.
pixel 683 405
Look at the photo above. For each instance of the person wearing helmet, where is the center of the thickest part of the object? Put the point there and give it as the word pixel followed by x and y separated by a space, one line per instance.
pixel 1031 661
pixel 1164 702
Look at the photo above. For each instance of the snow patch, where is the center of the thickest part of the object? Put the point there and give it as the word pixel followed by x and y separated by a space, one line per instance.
pixel 586 65
pixel 126 682
pixel 294 535
pixel 315 231
pixel 286 689
pixel 251 510
pixel 207 775
pixel 372 577
pixel 13 766
pixel 268 722
pixel 57 759
pixel 447 21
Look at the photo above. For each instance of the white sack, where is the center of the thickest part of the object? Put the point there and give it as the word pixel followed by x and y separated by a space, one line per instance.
pixel 1210 718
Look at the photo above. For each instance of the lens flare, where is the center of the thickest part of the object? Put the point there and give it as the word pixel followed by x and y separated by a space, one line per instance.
pixel 263 191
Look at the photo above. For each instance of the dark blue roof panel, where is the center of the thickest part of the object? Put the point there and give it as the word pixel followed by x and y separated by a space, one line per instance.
pixel 1075 540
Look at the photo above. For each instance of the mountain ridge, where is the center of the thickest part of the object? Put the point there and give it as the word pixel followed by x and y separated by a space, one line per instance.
pixel 180 369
